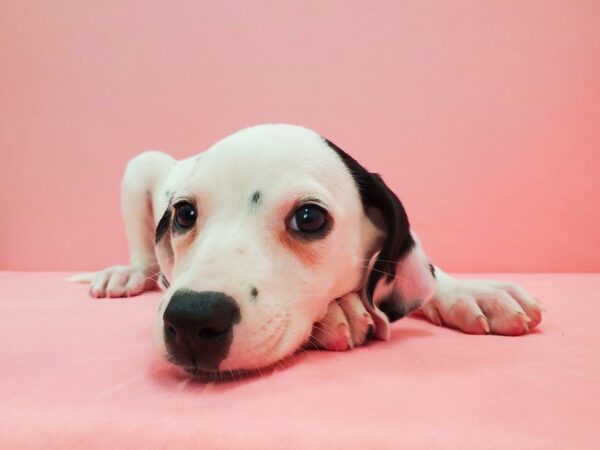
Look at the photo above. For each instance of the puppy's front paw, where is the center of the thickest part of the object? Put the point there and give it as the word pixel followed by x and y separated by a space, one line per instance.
pixel 122 281
pixel 347 324
pixel 482 306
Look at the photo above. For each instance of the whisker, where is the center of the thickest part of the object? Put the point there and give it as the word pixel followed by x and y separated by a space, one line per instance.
pixel 397 277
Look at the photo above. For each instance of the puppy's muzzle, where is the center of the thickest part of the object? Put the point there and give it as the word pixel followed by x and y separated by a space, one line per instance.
pixel 198 328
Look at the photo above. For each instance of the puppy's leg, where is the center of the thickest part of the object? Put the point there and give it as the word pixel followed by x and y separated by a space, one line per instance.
pixel 473 306
pixel 140 195
pixel 482 306
pixel 346 324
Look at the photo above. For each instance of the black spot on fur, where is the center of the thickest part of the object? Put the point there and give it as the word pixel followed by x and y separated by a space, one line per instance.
pixel 254 292
pixel 395 307
pixel 374 193
pixel 432 270
pixel 255 199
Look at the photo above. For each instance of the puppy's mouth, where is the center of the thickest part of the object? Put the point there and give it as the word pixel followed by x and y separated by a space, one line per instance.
pixel 230 375
pixel 222 375
pixel 203 374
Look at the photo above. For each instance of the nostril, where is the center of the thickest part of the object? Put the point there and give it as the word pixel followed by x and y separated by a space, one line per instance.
pixel 171 330
pixel 211 332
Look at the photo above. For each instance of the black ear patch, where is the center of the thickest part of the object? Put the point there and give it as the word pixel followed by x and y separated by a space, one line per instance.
pixel 395 307
pixel 375 194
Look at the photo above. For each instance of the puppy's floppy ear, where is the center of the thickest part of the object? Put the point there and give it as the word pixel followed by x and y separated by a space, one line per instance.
pixel 399 277
pixel 164 247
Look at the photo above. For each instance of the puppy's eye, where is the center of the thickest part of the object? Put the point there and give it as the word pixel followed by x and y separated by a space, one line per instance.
pixel 185 215
pixel 308 219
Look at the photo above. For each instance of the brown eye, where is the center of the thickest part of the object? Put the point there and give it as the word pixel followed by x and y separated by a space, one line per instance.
pixel 185 215
pixel 308 219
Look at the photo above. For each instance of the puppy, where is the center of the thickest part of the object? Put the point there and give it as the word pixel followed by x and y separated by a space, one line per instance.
pixel 275 239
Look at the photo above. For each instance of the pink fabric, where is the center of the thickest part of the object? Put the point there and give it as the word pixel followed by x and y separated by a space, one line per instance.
pixel 82 373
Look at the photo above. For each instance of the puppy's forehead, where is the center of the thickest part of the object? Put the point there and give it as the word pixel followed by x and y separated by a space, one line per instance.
pixel 264 155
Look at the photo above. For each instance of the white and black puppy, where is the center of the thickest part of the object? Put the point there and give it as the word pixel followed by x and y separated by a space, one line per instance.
pixel 275 238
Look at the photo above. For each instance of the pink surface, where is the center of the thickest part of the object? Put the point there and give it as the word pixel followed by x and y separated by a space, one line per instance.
pixel 81 373
pixel 483 116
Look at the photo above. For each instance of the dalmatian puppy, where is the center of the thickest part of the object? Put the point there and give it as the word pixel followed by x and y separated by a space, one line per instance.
pixel 275 239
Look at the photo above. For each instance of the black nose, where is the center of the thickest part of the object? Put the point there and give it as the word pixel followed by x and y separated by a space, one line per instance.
pixel 198 327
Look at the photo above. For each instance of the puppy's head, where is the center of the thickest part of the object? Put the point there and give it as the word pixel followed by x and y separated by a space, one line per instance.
pixel 259 234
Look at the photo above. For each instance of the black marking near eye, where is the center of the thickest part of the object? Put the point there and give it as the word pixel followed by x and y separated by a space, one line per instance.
pixel 255 199
pixel 253 292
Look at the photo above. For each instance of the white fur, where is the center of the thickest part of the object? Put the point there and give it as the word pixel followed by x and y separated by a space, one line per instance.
pixel 236 247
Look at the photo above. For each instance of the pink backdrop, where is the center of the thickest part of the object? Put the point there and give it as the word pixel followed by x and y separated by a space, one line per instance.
pixel 484 116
